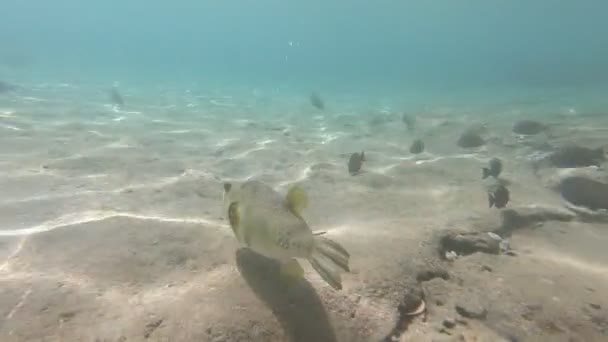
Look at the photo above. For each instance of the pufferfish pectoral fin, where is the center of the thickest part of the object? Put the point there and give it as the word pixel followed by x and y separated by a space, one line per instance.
pixel 292 269
pixel 296 199
pixel 234 217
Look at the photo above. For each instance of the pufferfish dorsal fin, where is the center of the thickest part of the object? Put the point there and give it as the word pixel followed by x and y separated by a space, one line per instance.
pixel 296 199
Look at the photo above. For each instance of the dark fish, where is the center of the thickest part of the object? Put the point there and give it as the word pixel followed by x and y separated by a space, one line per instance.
pixel 355 162
pixel 417 146
pixel 378 120
pixel 316 101
pixel 494 168
pixel 528 127
pixel 498 196
pixel 577 156
pixel 15 59
pixel 5 87
pixel 115 97
pixel 408 121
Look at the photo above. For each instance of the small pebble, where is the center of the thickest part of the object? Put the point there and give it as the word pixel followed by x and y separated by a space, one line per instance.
pixel 462 322
pixel 495 236
pixel 595 306
pixel 449 323
pixel 451 255
pixel 486 268
pixel 443 330
pixel 504 245
pixel 471 309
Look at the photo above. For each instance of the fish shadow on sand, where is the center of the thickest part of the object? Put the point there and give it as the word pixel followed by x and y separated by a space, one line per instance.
pixel 297 306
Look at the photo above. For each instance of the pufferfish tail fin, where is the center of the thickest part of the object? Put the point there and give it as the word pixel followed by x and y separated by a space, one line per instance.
pixel 329 259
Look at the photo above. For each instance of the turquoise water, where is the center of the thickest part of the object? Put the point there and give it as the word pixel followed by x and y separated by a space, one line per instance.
pixel 399 53
pixel 111 219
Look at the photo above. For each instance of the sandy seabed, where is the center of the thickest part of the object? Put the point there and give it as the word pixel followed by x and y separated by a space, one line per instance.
pixel 111 227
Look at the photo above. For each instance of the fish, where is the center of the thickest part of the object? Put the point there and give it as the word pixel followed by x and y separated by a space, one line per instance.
pixel 498 196
pixel 408 121
pixel 272 225
pixel 116 98
pixel 494 168
pixel 417 146
pixel 6 87
pixel 316 101
pixel 355 162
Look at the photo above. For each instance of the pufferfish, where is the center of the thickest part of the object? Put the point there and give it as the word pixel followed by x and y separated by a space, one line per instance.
pixel 272 225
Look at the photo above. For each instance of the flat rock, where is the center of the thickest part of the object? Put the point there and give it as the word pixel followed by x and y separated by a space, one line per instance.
pixel 576 156
pixel 468 243
pixel 428 274
pixel 528 127
pixel 585 192
pixel 552 177
pixel 521 217
pixel 471 308
pixel 470 139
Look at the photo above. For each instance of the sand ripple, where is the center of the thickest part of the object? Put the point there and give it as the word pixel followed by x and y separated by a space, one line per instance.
pixel 92 216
